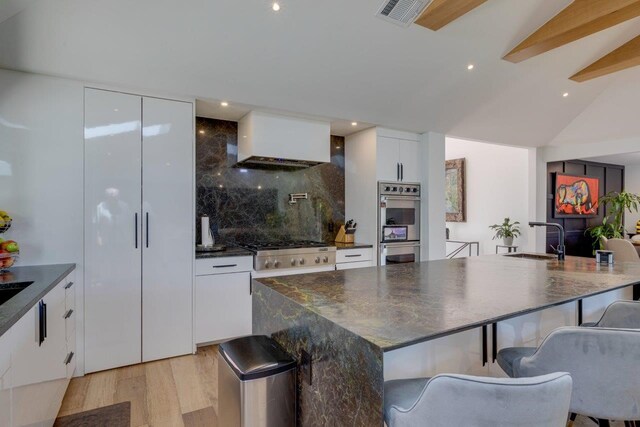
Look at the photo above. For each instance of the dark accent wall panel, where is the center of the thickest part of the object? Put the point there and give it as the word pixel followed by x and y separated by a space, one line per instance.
pixel 253 204
pixel 611 179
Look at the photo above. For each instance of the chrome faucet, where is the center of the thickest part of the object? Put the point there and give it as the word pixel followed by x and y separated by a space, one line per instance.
pixel 560 250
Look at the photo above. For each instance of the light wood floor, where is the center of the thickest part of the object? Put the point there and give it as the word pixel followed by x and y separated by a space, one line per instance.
pixel 182 391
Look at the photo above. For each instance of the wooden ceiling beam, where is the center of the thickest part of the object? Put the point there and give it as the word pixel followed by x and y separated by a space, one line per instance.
pixel 441 12
pixel 580 19
pixel 626 56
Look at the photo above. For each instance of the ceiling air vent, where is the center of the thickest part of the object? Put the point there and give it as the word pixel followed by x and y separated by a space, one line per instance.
pixel 402 12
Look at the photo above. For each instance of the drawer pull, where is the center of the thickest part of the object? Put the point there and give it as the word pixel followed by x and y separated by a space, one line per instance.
pixel 68 359
pixel 68 285
pixel 353 256
pixel 68 314
pixel 225 266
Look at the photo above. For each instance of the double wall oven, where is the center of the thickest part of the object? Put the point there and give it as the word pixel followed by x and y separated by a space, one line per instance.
pixel 398 222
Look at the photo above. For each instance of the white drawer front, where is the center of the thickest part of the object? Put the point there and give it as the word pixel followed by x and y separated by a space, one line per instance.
pixel 354 255
pixel 350 265
pixel 234 264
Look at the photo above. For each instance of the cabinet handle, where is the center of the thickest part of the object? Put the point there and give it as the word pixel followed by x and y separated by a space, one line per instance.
pixel 352 256
pixel 147 225
pixel 67 359
pixel 40 324
pixel 135 226
pixel 68 285
pixel 44 310
pixel 398 171
pixel 401 171
pixel 68 314
pixel 225 266
pixel 485 356
pixel 494 341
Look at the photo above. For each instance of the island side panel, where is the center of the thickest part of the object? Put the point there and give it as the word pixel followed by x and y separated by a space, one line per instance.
pixel 347 371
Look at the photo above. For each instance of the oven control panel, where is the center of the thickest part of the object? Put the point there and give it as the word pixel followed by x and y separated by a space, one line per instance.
pixel 398 189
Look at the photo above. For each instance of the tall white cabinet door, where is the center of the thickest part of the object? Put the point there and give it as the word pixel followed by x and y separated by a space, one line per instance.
pixel 387 159
pixel 409 158
pixel 168 202
pixel 112 226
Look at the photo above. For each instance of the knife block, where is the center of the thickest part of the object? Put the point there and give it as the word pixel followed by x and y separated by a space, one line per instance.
pixel 344 236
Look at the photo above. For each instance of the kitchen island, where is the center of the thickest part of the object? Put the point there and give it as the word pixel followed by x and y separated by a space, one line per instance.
pixel 342 325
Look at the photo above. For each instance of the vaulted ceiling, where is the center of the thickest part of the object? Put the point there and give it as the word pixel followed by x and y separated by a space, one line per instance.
pixel 335 59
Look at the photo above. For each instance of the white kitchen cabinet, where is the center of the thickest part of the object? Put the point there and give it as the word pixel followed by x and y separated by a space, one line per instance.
pixel 397 159
pixel 167 254
pixel 347 259
pixel 38 370
pixel 222 306
pixel 138 228
pixel 459 353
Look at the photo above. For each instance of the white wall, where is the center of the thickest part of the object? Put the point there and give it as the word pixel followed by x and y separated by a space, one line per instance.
pixel 632 185
pixel 497 186
pixel 41 172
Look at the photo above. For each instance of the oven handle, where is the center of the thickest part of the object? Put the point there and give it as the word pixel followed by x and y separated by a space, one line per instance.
pixel 406 198
pixel 400 245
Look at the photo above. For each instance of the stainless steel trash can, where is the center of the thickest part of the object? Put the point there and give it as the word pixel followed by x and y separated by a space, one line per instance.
pixel 256 384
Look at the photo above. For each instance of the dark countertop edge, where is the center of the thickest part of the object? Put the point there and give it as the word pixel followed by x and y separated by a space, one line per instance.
pixel 343 246
pixel 454 331
pixel 496 319
pixel 13 319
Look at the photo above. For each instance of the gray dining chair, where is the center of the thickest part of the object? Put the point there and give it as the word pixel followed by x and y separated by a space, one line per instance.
pixel 602 362
pixel 623 314
pixel 463 400
pixel 623 250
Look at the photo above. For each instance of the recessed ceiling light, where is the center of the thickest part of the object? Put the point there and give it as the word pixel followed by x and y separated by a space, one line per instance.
pixel 470 67
pixel 275 6
pixel 224 103
pixel 354 123
pixel 565 94
pixel 116 110
pixel 259 187
pixel 201 132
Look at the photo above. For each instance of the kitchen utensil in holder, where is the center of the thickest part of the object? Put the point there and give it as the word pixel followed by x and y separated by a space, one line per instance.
pixel 346 235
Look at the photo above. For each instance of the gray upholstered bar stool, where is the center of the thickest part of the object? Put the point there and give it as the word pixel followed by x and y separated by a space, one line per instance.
pixel 462 400
pixel 619 314
pixel 602 362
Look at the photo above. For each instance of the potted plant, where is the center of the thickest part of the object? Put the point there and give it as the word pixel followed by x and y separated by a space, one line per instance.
pixel 612 227
pixel 506 231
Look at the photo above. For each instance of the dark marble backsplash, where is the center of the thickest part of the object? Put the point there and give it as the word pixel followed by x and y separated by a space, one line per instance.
pixel 253 204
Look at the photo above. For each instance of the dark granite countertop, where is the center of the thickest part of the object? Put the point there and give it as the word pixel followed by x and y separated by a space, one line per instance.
pixel 356 245
pixel 400 305
pixel 44 278
pixel 230 251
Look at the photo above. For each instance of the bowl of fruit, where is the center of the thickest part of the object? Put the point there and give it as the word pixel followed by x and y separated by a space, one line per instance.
pixel 9 252
pixel 5 221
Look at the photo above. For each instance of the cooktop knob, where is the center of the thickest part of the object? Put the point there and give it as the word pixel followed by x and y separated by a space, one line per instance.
pixel 301 261
pixel 267 264
pixel 293 262
pixel 415 190
pixel 325 259
pixel 394 189
pixel 387 188
pixel 317 260
pixel 408 189
pixel 401 189
pixel 276 264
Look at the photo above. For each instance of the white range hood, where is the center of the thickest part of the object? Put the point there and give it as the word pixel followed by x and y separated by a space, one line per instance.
pixel 274 140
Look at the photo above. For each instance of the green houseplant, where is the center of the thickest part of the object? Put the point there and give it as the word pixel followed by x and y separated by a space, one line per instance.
pixel 506 231
pixel 612 227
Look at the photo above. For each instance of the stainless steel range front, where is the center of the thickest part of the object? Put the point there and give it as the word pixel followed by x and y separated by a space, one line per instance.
pixel 291 257
pixel 399 222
